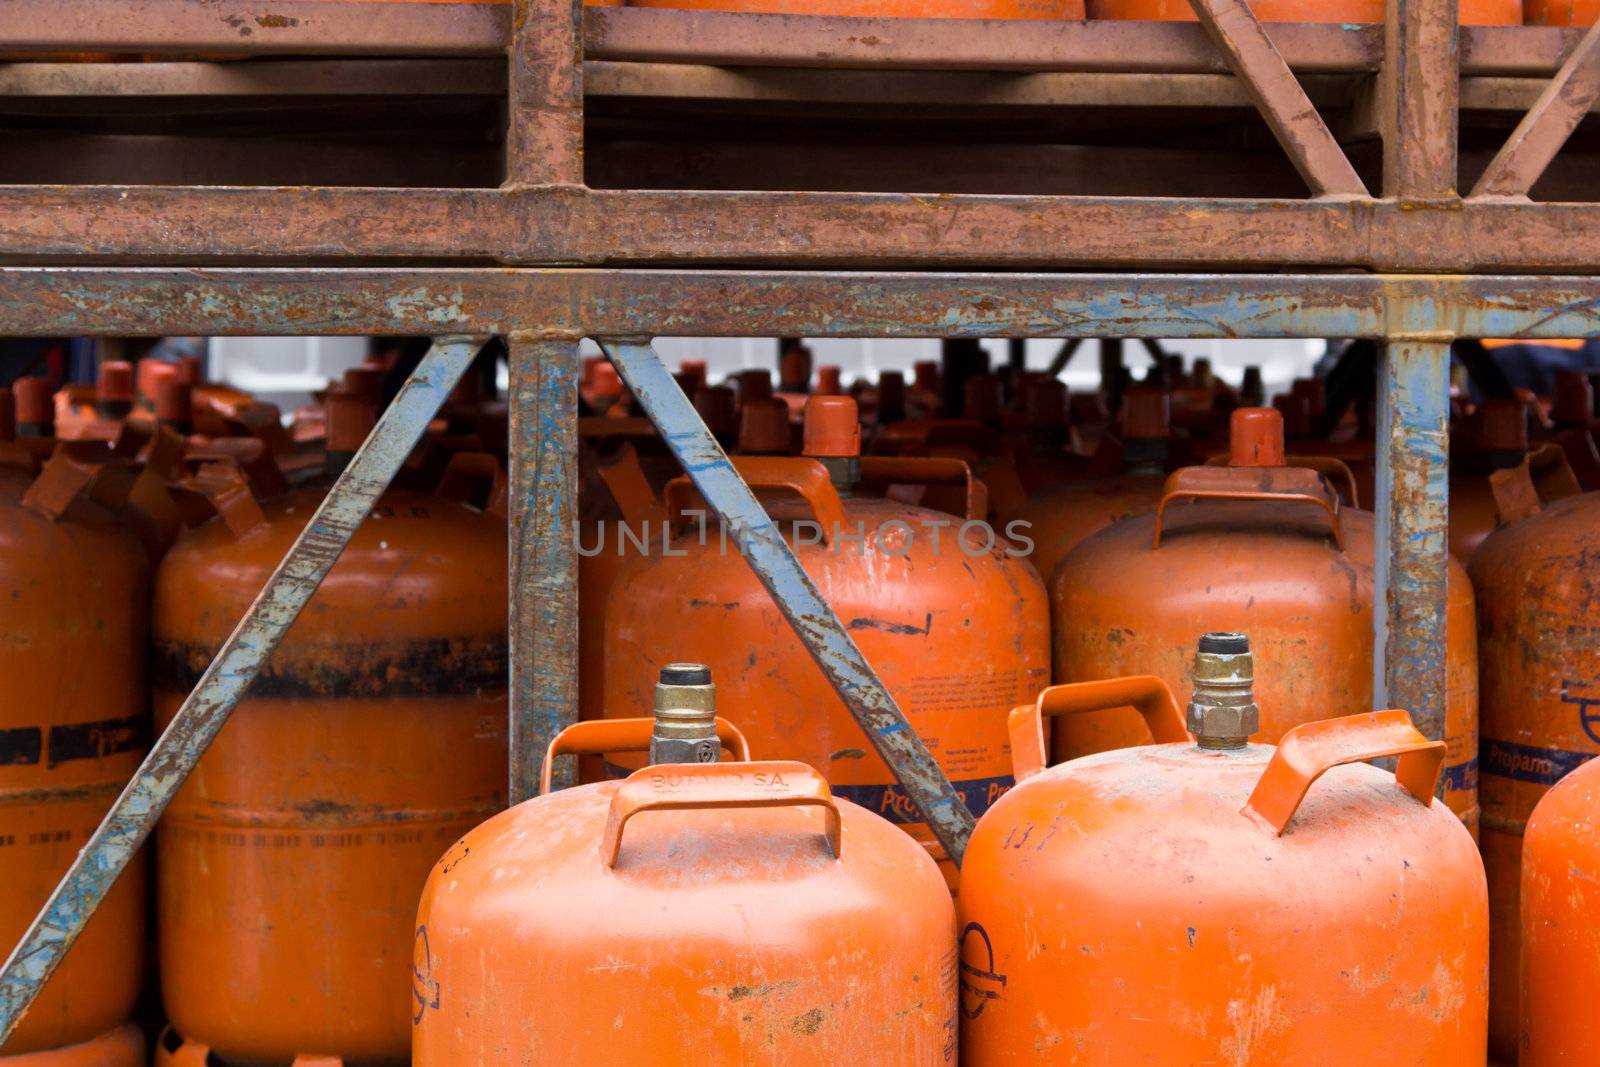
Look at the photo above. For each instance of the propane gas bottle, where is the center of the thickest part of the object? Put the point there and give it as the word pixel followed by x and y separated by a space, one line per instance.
pixel 1218 901
pixel 1261 547
pixel 291 860
pixel 952 621
pixel 717 914
pixel 1560 934
pixel 74 586
pixel 1538 613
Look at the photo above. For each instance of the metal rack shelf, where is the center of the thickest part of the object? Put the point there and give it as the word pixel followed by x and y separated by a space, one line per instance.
pixel 521 259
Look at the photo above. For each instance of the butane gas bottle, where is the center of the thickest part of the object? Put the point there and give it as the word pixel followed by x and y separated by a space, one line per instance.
pixel 291 860
pixel 1560 937
pixel 1538 614
pixel 1472 12
pixel 950 616
pixel 1261 547
pixel 717 914
pixel 74 587
pixel 1220 902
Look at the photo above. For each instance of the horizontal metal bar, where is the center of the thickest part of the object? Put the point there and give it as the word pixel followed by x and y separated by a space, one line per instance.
pixel 64 301
pixel 268 77
pixel 554 225
pixel 337 27
pixel 225 681
pixel 796 595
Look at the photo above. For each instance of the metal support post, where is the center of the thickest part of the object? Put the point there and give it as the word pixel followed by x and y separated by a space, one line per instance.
pixel 796 595
pixel 1419 93
pixel 544 561
pixel 225 681
pixel 544 144
pixel 1412 550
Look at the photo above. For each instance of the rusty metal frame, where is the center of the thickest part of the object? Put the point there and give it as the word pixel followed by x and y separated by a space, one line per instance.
pixel 545 311
pixel 205 711
pixel 1547 125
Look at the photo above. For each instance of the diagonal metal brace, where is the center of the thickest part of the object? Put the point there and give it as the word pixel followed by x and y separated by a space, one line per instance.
pixel 206 711
pixel 796 595
pixel 1566 99
pixel 1278 95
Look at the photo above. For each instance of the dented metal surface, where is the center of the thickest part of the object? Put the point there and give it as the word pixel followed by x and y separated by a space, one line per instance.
pixel 241 658
pixel 1409 619
pixel 813 619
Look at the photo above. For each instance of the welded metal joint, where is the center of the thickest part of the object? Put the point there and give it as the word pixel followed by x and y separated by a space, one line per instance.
pixel 1566 99
pixel 795 594
pixel 205 711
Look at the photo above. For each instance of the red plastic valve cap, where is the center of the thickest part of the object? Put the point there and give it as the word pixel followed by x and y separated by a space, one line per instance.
pixel 794 369
pixel 351 416
pixel 1315 390
pixel 693 371
pixel 980 395
pixel 1295 409
pixel 891 389
pixel 829 381
pixel 1047 403
pixel 832 427
pixel 365 381
pixel 35 400
pixel 174 400
pixel 755 385
pixel 115 381
pixel 764 426
pixel 1146 413
pixel 1503 425
pixel 189 370
pixel 719 408
pixel 926 375
pixel 1255 438
pixel 1574 400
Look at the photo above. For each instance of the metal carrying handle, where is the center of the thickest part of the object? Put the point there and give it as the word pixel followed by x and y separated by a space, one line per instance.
pixel 928 470
pixel 596 737
pixel 1275 484
pixel 1335 470
pixel 696 787
pixel 625 478
pixel 1310 750
pixel 1543 475
pixel 1146 693
pixel 799 475
pixel 219 488
pixel 66 478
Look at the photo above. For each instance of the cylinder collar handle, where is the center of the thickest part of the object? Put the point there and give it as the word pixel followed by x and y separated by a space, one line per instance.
pixel 806 477
pixel 928 470
pixel 1312 749
pixel 719 786
pixel 1146 693
pixel 597 737
pixel 1543 475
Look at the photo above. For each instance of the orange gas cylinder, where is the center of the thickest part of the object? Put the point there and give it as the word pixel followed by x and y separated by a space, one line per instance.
pixel 1219 902
pixel 954 626
pixel 1126 476
pixel 291 860
pixel 74 585
pixel 696 913
pixel 1538 611
pixel 1560 938
pixel 1560 12
pixel 1473 12
pixel 1261 547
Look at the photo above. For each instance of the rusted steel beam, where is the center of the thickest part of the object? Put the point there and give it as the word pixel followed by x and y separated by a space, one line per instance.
pixel 267 77
pixel 225 681
pixel 795 594
pixel 67 301
pixel 1412 547
pixel 884 230
pixel 544 563
pixel 1547 125
pixel 1418 92
pixel 256 27
pixel 1278 95
pixel 544 144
